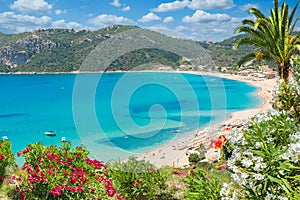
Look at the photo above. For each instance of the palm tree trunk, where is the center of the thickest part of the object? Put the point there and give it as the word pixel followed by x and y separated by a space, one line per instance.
pixel 285 71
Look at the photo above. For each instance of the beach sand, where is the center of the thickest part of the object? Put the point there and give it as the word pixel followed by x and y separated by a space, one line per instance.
pixel 175 153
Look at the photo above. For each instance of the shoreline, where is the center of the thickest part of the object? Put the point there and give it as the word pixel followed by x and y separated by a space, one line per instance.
pixel 173 153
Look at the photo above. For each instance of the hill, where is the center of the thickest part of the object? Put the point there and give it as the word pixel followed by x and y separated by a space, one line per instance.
pixel 65 50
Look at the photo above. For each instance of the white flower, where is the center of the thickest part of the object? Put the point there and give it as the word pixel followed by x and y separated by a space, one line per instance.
pixel 225 190
pixel 246 162
pixel 281 172
pixel 269 196
pixel 257 158
pixel 244 175
pixel 263 165
pixel 258 176
pixel 257 167
pixel 282 198
pixel 285 156
pixel 258 144
pixel 234 197
pixel 236 177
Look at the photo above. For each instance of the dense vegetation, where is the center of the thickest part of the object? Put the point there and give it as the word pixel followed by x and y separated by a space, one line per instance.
pixel 64 50
pixel 223 54
pixel 143 56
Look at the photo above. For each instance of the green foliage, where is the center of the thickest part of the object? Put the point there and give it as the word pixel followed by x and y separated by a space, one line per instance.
pixel 50 172
pixel 273 37
pixel 203 185
pixel 265 159
pixel 142 56
pixel 6 158
pixel 138 180
pixel 70 48
pixel 194 158
pixel 287 97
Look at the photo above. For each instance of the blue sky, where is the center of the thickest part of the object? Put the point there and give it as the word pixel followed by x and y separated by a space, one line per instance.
pixel 194 19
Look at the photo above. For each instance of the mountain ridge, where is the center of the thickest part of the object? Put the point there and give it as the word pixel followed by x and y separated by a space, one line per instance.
pixel 64 50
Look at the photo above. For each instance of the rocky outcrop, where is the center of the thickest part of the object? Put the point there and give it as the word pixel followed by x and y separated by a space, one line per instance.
pixel 20 52
pixel 12 57
pixel 35 44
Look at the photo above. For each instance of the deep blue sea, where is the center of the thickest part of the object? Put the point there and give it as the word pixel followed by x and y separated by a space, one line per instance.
pixel 115 114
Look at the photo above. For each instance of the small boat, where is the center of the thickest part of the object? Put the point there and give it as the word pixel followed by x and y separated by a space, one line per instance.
pixel 50 133
pixel 176 131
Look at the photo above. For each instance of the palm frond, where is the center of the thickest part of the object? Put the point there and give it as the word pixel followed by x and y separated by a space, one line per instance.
pixel 249 40
pixel 293 26
pixel 292 16
pixel 247 22
pixel 257 13
pixel 245 59
pixel 272 35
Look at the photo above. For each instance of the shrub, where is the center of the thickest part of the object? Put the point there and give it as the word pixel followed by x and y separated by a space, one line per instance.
pixel 6 158
pixel 265 157
pixel 61 173
pixel 138 179
pixel 194 158
pixel 287 97
pixel 203 184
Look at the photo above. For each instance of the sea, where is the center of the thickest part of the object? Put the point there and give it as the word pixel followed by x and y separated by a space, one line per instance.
pixel 115 115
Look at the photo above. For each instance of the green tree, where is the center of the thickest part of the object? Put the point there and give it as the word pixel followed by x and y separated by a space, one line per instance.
pixel 272 36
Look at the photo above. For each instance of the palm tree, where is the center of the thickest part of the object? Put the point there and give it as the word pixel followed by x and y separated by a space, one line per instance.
pixel 273 36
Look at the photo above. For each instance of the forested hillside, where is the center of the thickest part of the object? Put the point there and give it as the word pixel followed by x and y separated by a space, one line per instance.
pixel 64 50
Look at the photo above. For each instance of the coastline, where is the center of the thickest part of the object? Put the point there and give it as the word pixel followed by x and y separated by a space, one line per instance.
pixel 174 154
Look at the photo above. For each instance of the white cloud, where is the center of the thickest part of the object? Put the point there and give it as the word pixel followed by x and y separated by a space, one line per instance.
pixel 116 3
pixel 168 20
pixel 201 16
pixel 31 6
pixel 63 24
pixel 16 23
pixel 211 4
pixel 173 6
pixel 149 18
pixel 58 12
pixel 105 20
pixel 248 6
pixel 167 31
pixel 126 8
pixel 181 28
pixel 216 30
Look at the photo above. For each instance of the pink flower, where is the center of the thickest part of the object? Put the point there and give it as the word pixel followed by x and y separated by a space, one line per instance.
pixel 133 184
pixel 151 170
pixel 2 178
pixel 181 175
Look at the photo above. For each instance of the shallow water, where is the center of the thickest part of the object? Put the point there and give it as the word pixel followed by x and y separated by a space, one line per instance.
pixel 115 114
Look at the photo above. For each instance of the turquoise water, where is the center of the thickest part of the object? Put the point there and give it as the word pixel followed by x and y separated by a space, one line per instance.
pixel 115 114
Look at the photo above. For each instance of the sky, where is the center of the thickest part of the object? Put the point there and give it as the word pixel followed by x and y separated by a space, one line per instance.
pixel 203 20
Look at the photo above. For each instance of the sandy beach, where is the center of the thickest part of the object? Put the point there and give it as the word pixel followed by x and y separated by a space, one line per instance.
pixel 175 153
